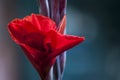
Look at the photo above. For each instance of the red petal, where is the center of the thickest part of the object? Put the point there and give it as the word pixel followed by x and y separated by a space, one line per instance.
pixel 39 60
pixel 21 36
pixel 58 43
pixel 41 22
pixel 19 28
pixel 31 30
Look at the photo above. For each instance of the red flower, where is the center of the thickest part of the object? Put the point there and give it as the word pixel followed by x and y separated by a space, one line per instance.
pixel 41 40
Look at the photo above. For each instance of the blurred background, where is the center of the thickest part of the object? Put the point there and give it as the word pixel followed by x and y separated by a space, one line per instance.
pixel 97 58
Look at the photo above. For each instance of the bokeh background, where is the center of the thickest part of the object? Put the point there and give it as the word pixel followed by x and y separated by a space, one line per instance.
pixel 97 58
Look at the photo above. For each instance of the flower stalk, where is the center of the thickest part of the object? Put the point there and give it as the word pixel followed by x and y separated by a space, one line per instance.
pixel 44 7
pixel 55 9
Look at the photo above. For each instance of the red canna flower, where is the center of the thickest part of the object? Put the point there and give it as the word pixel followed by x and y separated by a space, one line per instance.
pixel 41 40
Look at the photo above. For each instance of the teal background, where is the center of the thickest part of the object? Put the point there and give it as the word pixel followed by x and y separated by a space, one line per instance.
pixel 98 57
